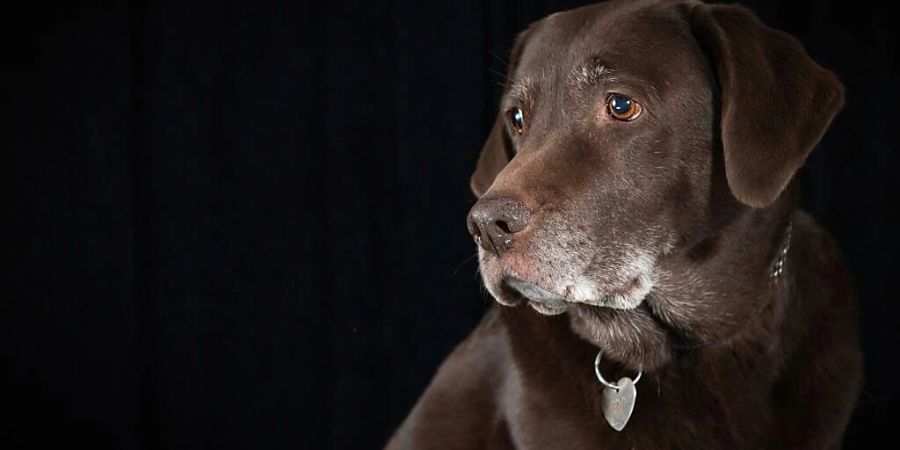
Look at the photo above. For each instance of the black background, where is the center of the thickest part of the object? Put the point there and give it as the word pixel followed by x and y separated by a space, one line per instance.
pixel 241 224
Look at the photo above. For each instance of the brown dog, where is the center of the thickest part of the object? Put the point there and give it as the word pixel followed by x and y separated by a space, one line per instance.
pixel 636 199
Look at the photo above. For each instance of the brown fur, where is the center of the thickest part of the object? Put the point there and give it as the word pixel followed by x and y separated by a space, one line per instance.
pixel 698 191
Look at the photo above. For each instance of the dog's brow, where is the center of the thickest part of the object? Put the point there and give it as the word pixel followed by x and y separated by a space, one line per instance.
pixel 591 72
pixel 521 90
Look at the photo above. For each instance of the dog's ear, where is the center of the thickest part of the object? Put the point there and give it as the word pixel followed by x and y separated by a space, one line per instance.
pixel 497 149
pixel 776 102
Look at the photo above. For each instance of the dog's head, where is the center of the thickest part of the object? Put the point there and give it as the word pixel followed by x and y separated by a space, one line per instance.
pixel 629 132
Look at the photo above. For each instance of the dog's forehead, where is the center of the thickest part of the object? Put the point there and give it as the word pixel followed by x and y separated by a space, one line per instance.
pixel 638 38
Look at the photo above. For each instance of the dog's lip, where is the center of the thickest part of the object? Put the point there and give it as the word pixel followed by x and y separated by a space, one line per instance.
pixel 533 291
pixel 538 298
pixel 549 302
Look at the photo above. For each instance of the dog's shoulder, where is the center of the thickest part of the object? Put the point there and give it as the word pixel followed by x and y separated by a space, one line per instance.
pixel 816 243
pixel 820 270
pixel 822 290
pixel 459 407
pixel 822 323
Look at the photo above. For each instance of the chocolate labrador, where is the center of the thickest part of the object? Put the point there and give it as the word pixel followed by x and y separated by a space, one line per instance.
pixel 637 222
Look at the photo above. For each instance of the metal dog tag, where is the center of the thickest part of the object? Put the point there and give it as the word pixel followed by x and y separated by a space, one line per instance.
pixel 618 404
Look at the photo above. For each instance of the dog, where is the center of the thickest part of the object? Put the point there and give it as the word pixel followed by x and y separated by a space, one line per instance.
pixel 637 222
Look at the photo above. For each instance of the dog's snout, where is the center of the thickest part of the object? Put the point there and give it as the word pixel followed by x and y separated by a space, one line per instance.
pixel 494 222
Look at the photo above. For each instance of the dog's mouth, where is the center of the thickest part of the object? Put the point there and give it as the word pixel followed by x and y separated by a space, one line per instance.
pixel 514 290
pixel 616 316
pixel 614 308
pixel 540 299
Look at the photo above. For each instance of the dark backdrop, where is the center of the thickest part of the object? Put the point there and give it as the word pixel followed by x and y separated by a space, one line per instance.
pixel 241 224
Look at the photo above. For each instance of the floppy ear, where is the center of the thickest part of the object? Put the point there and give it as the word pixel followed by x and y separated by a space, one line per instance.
pixel 497 149
pixel 776 102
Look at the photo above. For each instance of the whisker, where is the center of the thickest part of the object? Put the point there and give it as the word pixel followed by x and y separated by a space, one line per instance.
pixel 456 270
pixel 498 73
pixel 498 58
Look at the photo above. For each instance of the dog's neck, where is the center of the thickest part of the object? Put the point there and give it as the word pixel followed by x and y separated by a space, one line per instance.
pixel 744 266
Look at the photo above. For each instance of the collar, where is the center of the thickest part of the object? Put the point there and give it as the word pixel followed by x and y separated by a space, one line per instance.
pixel 781 258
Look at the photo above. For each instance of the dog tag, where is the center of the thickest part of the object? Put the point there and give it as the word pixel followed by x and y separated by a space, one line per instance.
pixel 618 404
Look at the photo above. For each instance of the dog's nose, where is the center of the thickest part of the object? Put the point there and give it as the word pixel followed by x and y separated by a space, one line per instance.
pixel 494 222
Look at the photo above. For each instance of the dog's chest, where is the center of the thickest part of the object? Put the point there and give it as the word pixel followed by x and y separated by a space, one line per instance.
pixel 552 418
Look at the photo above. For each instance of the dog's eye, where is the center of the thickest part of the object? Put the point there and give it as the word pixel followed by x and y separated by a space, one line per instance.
pixel 517 119
pixel 622 108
